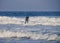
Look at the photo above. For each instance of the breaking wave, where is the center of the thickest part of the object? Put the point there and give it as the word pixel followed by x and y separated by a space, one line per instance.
pixel 28 35
pixel 8 31
pixel 40 20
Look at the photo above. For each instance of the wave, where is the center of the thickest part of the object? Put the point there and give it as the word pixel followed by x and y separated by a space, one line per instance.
pixel 37 20
pixel 31 35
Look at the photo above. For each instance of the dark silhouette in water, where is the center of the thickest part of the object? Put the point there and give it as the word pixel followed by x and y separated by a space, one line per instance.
pixel 26 19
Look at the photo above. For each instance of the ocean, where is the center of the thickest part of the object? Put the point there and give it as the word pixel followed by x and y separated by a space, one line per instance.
pixel 42 27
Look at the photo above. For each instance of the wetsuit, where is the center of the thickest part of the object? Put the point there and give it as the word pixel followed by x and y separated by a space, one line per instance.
pixel 26 20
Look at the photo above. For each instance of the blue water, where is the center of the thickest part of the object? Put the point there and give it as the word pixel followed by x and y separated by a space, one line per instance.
pixel 26 41
pixel 25 13
pixel 38 28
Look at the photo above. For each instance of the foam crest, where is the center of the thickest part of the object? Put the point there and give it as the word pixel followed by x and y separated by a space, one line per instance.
pixel 40 20
pixel 31 35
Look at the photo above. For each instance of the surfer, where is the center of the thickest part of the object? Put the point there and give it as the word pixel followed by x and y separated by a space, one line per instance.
pixel 26 19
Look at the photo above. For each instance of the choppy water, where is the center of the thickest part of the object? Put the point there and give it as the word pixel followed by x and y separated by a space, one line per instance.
pixel 40 29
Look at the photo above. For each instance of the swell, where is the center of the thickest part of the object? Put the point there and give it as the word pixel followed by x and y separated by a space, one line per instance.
pixel 31 35
pixel 37 20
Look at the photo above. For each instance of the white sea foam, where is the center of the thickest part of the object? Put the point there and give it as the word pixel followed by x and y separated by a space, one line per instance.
pixel 42 20
pixel 31 35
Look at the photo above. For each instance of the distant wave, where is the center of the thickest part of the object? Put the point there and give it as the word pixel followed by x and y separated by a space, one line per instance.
pixel 31 35
pixel 37 20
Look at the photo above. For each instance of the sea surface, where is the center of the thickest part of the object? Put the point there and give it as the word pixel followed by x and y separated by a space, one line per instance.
pixel 42 27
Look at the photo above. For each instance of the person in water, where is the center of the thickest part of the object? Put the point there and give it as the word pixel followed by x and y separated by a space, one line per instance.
pixel 26 19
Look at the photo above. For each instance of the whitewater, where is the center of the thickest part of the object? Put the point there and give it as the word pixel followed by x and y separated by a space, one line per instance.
pixel 38 27
pixel 40 20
